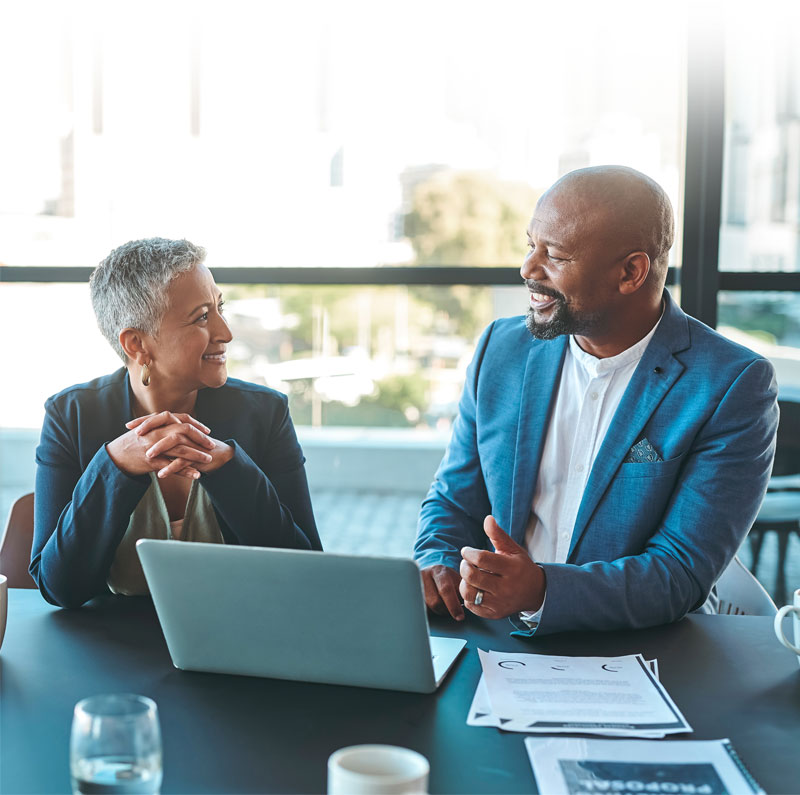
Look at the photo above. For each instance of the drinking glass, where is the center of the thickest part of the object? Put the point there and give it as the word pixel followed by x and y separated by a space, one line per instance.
pixel 115 746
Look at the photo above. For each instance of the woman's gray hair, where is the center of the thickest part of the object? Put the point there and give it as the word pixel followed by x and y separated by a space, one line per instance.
pixel 129 287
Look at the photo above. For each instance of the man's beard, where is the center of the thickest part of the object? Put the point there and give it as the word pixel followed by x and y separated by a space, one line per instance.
pixel 562 321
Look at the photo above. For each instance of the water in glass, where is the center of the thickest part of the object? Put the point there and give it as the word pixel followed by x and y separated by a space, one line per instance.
pixel 113 774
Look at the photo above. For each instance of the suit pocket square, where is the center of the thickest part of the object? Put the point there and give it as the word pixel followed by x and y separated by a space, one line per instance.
pixel 642 453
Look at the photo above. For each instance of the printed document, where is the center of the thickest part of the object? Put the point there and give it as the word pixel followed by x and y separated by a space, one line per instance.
pixel 576 766
pixel 480 711
pixel 618 696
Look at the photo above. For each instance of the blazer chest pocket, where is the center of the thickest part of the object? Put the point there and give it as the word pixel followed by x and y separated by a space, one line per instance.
pixel 650 469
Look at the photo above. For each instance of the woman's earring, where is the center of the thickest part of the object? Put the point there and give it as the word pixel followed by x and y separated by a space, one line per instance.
pixel 146 375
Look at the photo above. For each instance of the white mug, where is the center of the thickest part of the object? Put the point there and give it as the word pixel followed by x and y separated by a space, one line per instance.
pixel 3 605
pixel 377 770
pixel 782 613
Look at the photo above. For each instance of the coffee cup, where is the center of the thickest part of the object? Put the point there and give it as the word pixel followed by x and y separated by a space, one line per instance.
pixel 3 605
pixel 377 770
pixel 794 609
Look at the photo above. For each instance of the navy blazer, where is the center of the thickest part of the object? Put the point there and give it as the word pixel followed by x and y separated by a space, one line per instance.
pixel 84 502
pixel 650 538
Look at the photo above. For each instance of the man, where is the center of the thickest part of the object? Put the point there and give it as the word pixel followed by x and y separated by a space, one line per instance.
pixel 613 450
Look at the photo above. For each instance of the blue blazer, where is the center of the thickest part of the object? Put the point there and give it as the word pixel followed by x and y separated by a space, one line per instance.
pixel 650 539
pixel 84 502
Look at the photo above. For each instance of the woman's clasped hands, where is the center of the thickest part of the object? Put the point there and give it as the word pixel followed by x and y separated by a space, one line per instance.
pixel 169 444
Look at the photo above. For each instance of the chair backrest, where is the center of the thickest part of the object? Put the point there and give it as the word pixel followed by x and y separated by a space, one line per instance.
pixel 741 594
pixel 787 447
pixel 15 545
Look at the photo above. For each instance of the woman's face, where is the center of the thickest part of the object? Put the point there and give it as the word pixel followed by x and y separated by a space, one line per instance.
pixel 189 349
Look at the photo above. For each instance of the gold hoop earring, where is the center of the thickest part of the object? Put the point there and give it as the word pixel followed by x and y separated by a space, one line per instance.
pixel 145 375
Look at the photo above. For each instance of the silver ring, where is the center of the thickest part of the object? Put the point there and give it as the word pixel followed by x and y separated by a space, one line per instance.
pixel 478 598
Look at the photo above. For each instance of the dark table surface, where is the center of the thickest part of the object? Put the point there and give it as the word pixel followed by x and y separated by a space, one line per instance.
pixel 728 675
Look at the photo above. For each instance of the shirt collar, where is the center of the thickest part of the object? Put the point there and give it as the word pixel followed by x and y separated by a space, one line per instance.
pixel 595 367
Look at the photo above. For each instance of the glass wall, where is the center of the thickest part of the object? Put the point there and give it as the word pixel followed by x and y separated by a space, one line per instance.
pixel 369 356
pixel 316 134
pixel 769 323
pixel 373 376
pixel 760 218
pixel 353 134
pixel 365 356
pixel 760 229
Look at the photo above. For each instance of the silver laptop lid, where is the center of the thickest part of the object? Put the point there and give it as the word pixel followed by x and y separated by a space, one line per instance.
pixel 291 614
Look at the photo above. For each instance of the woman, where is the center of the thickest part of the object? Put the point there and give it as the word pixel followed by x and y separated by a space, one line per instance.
pixel 140 453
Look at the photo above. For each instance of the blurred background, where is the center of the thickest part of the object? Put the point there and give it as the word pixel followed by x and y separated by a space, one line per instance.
pixel 362 174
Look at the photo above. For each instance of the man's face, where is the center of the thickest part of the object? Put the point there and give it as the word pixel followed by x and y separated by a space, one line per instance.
pixel 569 270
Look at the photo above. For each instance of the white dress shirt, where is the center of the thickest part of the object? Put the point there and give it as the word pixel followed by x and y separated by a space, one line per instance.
pixel 588 394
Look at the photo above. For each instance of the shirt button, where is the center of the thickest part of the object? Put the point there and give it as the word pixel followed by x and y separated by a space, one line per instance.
pixel 594 395
pixel 579 468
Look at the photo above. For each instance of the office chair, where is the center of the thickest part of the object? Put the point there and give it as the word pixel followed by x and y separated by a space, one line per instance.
pixel 15 545
pixel 780 511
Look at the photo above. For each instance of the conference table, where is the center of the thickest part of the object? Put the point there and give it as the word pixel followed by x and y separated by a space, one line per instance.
pixel 230 734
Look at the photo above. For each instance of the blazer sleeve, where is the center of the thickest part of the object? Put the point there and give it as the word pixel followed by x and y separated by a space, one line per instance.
pixel 266 503
pixel 80 514
pixel 452 514
pixel 717 495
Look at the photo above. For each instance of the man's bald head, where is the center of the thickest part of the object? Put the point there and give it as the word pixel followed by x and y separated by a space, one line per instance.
pixel 628 206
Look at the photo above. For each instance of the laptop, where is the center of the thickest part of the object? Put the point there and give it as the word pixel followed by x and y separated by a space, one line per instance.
pixel 295 614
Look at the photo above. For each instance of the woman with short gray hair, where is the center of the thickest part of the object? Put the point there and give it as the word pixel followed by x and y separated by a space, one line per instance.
pixel 140 453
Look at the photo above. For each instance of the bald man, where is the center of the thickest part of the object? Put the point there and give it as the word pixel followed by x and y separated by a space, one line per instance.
pixel 610 452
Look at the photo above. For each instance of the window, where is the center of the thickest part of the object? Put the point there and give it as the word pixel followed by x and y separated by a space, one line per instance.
pixel 311 136
pixel 315 136
pixel 769 323
pixel 761 192
pixel 319 135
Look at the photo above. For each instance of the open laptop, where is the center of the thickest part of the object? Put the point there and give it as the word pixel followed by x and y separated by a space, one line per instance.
pixel 292 614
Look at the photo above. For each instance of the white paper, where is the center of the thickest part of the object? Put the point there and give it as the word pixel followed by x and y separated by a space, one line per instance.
pixel 571 765
pixel 616 696
pixel 481 714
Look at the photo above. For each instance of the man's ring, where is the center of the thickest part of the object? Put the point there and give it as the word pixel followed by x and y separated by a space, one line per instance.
pixel 478 598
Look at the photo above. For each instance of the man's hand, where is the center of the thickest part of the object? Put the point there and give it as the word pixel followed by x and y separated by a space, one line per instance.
pixel 441 591
pixel 509 579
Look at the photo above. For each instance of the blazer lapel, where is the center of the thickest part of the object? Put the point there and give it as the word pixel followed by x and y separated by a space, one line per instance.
pixel 653 378
pixel 539 389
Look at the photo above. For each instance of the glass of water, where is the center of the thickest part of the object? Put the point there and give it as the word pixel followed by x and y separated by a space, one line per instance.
pixel 115 746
